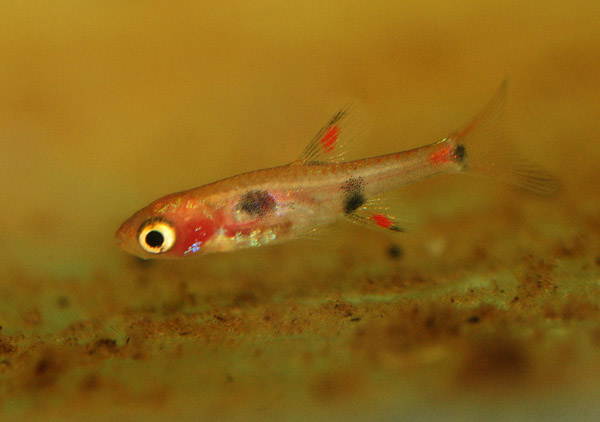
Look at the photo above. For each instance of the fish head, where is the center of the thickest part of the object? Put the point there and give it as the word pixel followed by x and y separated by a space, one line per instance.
pixel 172 227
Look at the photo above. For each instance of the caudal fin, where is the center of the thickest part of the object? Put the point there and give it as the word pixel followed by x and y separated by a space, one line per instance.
pixel 487 152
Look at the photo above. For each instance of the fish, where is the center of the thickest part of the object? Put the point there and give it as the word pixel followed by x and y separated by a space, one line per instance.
pixel 296 200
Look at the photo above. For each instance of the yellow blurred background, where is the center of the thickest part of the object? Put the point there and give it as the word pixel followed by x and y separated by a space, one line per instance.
pixel 108 106
pixel 105 106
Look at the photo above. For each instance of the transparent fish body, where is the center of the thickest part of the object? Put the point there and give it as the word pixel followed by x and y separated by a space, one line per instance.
pixel 292 201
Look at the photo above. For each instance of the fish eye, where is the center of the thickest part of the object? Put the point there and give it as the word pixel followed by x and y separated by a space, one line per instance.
pixel 156 235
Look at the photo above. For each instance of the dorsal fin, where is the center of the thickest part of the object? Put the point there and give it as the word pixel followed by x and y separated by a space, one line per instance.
pixel 327 146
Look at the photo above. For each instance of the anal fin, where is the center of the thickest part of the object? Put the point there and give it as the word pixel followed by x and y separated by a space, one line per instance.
pixel 375 213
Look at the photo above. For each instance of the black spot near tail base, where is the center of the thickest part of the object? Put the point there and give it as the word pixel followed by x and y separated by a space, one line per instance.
pixel 460 153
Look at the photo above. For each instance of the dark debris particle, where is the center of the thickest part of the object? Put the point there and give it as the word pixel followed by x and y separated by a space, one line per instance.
pixel 46 369
pixel 6 346
pixel 395 252
pixel 356 319
pixel 63 302
pixel 43 366
pixel 598 260
pixel 344 308
pixel 474 319
pixel 106 344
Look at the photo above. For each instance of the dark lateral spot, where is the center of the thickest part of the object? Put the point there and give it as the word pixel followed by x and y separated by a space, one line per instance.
pixel 354 197
pixel 353 201
pixel 460 153
pixel 256 203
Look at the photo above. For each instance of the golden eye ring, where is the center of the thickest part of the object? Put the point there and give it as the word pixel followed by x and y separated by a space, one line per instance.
pixel 156 235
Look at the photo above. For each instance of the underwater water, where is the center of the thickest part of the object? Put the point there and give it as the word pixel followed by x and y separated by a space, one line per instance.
pixel 488 306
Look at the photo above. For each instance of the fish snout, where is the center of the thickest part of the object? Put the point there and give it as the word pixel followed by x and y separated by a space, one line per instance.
pixel 124 234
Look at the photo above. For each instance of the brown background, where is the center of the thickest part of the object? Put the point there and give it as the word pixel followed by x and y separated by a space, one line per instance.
pixel 492 307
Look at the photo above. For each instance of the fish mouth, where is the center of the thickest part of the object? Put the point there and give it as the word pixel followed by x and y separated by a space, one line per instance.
pixel 122 234
pixel 119 238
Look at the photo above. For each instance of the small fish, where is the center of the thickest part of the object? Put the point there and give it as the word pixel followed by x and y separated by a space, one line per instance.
pixel 293 201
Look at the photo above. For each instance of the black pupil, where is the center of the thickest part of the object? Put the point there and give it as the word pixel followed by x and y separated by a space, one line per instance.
pixel 154 239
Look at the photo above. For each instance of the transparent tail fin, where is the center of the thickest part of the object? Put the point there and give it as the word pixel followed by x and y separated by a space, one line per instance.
pixel 488 153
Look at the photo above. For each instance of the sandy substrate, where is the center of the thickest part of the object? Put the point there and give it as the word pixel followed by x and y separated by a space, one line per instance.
pixel 489 306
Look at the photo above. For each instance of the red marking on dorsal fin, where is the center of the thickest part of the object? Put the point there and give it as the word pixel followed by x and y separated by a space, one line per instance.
pixel 329 143
pixel 382 220
pixel 329 139
pixel 373 214
pixel 442 155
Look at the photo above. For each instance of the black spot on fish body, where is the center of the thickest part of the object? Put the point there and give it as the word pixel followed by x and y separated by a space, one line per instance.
pixel 354 197
pixel 353 202
pixel 256 203
pixel 460 153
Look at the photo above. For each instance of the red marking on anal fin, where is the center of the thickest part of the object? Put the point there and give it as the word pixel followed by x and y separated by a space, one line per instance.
pixel 329 139
pixel 382 220
pixel 374 214
pixel 442 155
